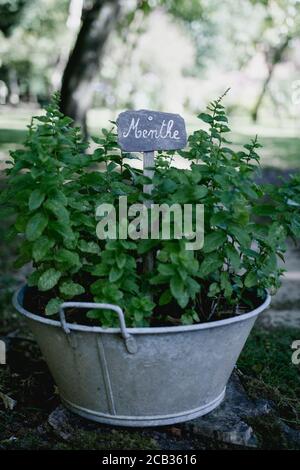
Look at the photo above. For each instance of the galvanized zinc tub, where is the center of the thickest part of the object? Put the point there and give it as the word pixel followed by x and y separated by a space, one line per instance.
pixel 140 376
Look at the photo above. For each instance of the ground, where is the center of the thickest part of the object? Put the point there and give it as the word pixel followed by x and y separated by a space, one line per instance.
pixel 266 379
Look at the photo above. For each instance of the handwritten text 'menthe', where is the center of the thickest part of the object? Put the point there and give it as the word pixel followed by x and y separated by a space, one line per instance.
pixel 164 132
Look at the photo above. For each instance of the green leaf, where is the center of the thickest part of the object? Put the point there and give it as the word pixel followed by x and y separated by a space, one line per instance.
pixel 295 226
pixel 70 289
pixel 250 279
pixel 111 294
pixel 189 317
pixel 67 257
pixel 233 257
pixel 58 209
pixel 129 285
pixel 158 279
pixel 168 186
pixel 214 289
pixel 192 286
pixel 111 167
pixel 183 299
pixel 115 274
pixel 199 192
pixel 210 264
pixel 226 284
pixel 146 245
pixel 94 314
pixel 121 261
pixel 221 118
pixel 270 264
pixel 63 230
pixel 250 253
pixel 178 291
pixel 35 200
pixel 219 218
pixel 33 278
pixel 276 234
pixel 213 241
pixel 166 269
pixel 165 298
pixel 206 118
pixel 241 235
pixel 128 245
pixel 176 285
pixel 100 269
pixel 41 247
pixel 48 279
pixel 35 226
pixel 53 306
pixel 89 247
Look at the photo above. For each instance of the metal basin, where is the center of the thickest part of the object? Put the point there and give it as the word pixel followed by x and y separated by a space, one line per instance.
pixel 140 376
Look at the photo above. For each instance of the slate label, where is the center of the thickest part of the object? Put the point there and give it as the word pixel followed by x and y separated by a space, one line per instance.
pixel 146 131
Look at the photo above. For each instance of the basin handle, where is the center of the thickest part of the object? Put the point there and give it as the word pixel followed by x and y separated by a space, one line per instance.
pixel 130 342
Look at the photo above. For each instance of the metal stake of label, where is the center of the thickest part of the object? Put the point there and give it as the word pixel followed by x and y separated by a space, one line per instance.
pixel 148 170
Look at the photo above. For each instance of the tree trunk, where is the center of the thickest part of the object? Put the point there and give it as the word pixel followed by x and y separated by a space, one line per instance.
pixel 277 56
pixel 83 64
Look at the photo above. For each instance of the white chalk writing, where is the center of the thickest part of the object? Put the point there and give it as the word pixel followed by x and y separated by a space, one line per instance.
pixel 165 131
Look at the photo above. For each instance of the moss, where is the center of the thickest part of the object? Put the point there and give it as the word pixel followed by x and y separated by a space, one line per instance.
pixel 267 357
pixel 83 440
pixel 270 433
pixel 29 440
pixel 268 371
pixel 111 440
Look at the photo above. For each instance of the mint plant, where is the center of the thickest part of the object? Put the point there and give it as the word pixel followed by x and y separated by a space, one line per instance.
pixel 239 254
pixel 54 187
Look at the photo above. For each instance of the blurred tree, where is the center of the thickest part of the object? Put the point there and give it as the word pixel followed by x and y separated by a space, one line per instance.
pixel 279 27
pixel 208 23
pixel 273 57
pixel 51 44
pixel 29 54
pixel 99 18
pixel 10 13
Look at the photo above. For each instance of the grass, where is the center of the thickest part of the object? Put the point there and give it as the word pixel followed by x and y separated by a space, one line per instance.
pixel 12 136
pixel 278 151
